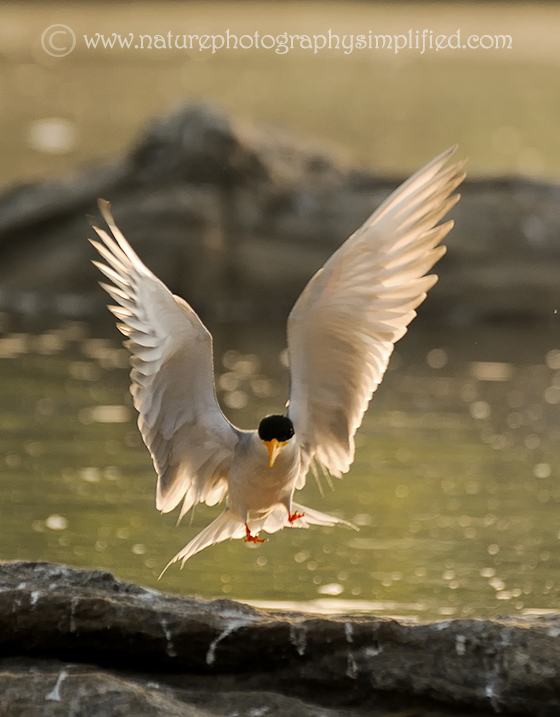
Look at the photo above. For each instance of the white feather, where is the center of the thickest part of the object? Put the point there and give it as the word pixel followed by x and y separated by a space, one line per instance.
pixel 342 328
pixel 341 333
pixel 229 526
pixel 190 440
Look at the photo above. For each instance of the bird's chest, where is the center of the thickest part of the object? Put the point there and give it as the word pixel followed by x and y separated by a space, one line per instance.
pixel 252 478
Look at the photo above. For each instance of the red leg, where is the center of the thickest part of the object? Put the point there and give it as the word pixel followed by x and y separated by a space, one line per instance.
pixel 252 538
pixel 294 516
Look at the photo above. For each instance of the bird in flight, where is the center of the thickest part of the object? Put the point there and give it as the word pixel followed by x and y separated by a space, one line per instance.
pixel 341 333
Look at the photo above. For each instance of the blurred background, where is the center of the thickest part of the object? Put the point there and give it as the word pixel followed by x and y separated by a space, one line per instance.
pixel 455 485
pixel 384 110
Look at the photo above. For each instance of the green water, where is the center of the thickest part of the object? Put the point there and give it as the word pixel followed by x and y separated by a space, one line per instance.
pixel 454 486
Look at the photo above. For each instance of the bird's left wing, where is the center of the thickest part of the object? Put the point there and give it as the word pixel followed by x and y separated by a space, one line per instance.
pixel 342 328
pixel 190 440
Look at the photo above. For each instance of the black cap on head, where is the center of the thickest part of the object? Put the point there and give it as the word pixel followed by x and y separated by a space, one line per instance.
pixel 279 427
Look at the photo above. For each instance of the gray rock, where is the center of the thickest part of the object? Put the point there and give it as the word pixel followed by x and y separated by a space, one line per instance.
pixel 82 642
pixel 238 221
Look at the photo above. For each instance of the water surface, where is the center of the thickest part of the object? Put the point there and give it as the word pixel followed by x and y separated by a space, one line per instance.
pixel 455 484
pixel 454 487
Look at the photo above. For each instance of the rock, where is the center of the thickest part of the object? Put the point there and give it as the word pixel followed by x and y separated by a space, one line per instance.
pixel 81 642
pixel 52 688
pixel 238 220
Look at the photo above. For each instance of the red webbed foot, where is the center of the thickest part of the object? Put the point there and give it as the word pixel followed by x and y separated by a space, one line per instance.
pixel 252 538
pixel 294 516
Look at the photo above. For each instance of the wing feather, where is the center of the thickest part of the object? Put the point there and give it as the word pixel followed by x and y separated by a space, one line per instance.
pixel 190 440
pixel 343 327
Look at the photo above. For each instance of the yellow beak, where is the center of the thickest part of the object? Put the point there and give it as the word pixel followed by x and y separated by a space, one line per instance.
pixel 274 448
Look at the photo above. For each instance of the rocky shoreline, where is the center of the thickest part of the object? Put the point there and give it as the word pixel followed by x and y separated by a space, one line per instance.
pixel 81 642
pixel 237 221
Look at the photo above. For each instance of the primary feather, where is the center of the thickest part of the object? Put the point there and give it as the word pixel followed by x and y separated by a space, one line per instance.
pixel 343 327
pixel 190 440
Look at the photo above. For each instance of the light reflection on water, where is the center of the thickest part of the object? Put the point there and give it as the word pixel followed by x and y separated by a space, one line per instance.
pixel 454 486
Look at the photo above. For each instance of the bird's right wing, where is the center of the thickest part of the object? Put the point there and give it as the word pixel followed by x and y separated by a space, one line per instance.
pixel 190 440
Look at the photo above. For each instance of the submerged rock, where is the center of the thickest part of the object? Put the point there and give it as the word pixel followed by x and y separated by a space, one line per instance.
pixel 82 642
pixel 237 221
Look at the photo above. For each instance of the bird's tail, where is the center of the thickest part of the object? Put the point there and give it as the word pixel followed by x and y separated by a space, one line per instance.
pixel 314 517
pixel 227 525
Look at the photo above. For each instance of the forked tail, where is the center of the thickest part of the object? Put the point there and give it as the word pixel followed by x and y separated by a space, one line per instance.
pixel 228 525
pixel 314 517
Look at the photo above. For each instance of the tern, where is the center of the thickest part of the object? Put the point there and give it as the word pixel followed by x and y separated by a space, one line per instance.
pixel 341 333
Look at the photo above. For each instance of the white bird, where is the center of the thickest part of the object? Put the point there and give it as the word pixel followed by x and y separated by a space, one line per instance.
pixel 341 333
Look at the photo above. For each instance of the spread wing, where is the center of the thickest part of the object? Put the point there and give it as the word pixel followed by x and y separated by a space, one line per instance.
pixel 190 440
pixel 342 328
